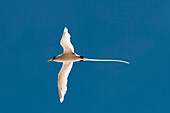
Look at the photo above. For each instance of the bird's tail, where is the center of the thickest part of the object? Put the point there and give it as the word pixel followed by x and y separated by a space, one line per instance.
pixel 86 59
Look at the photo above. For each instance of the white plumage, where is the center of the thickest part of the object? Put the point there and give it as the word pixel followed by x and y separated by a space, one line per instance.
pixel 66 43
pixel 68 57
pixel 62 79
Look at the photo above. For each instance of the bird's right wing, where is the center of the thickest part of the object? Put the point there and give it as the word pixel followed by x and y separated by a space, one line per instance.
pixel 66 43
pixel 62 79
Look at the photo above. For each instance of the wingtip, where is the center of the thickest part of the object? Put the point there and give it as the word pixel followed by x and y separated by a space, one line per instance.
pixel 65 29
pixel 61 100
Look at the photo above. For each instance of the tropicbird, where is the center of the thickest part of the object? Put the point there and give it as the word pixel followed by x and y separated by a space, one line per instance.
pixel 68 57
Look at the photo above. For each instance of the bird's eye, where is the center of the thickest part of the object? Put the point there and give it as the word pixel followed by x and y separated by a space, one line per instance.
pixel 53 57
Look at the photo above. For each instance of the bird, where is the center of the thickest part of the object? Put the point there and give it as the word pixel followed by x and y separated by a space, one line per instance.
pixel 67 58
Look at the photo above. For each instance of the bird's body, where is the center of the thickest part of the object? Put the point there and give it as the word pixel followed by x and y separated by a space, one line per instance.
pixel 68 57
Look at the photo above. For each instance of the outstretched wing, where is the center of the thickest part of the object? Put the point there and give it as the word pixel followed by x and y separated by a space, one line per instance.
pixel 66 43
pixel 62 79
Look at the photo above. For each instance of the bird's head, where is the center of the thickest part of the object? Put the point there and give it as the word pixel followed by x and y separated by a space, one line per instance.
pixel 52 59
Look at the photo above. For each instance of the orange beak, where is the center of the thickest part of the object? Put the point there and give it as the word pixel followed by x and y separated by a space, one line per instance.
pixel 50 60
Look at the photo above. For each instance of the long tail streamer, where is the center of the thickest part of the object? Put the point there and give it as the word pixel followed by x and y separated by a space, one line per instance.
pixel 86 59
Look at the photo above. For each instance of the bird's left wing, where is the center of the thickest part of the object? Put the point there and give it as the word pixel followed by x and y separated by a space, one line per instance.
pixel 66 43
pixel 62 79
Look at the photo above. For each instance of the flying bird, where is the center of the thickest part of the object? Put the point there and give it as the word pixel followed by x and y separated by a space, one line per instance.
pixel 68 57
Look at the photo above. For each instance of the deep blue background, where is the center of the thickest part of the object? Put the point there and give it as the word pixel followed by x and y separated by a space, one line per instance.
pixel 137 31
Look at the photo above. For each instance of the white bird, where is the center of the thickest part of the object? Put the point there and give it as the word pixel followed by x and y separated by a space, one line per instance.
pixel 68 57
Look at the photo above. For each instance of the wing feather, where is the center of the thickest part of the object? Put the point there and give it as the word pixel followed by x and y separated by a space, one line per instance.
pixel 66 43
pixel 62 79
